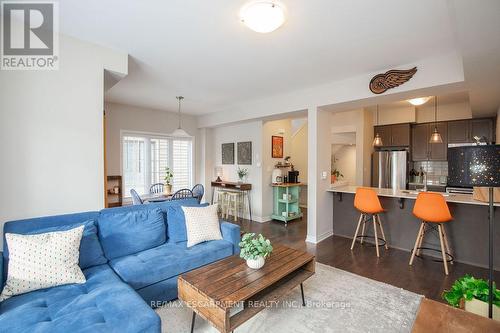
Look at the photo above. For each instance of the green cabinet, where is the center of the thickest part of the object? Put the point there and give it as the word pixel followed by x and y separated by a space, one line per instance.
pixel 286 202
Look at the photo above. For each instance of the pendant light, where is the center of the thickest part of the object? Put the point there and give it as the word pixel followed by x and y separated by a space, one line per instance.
pixel 179 132
pixel 377 142
pixel 435 136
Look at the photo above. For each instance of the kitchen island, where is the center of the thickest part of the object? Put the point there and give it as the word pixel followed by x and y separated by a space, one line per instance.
pixel 467 232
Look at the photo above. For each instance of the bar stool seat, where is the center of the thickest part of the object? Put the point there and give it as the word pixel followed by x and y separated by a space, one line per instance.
pixel 433 210
pixel 368 203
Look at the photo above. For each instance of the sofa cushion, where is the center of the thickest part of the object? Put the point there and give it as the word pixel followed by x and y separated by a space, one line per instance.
pixel 90 248
pixel 176 222
pixel 170 259
pixel 42 261
pixel 127 232
pixel 103 304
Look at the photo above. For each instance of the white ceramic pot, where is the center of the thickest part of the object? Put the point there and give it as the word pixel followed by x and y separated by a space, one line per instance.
pixel 481 308
pixel 256 263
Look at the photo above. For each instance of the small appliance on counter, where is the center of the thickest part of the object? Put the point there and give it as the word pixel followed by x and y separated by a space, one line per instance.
pixel 277 176
pixel 293 176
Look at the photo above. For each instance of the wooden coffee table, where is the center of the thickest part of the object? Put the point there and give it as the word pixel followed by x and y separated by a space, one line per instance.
pixel 213 290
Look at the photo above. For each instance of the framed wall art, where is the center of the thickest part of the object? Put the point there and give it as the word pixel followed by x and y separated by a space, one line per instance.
pixel 245 153
pixel 228 153
pixel 277 146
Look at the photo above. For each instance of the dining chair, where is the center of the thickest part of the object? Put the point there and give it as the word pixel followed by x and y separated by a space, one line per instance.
pixel 182 194
pixel 198 192
pixel 156 188
pixel 136 199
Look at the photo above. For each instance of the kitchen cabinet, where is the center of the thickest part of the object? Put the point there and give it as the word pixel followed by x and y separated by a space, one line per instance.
pixel 400 135
pixel 420 139
pixel 458 131
pixel 464 131
pixel 482 128
pixel 394 135
pixel 422 150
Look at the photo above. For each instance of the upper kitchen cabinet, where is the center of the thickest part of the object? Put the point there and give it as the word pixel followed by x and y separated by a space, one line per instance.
pixel 458 131
pixel 482 128
pixel 464 131
pixel 422 150
pixel 394 135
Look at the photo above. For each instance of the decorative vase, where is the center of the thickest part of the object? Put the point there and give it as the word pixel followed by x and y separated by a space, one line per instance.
pixel 256 263
pixel 334 179
pixel 481 308
pixel 167 189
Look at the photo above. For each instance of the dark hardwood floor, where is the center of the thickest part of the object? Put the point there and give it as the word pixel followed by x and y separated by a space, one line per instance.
pixel 425 277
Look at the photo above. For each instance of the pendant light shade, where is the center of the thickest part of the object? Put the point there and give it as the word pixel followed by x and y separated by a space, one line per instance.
pixel 377 142
pixel 179 132
pixel 435 136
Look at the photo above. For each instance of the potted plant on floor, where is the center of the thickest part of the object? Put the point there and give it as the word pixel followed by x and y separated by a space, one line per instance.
pixel 167 189
pixel 471 294
pixel 255 250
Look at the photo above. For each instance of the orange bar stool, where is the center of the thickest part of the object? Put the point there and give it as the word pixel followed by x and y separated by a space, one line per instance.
pixel 433 210
pixel 367 202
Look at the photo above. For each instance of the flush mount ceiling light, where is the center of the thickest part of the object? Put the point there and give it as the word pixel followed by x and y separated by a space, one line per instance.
pixel 262 16
pixel 419 101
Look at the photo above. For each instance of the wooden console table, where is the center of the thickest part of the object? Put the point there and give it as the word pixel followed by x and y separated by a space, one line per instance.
pixel 235 186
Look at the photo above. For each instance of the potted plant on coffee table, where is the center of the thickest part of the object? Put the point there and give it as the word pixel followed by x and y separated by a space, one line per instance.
pixel 255 250
pixel 472 294
pixel 167 189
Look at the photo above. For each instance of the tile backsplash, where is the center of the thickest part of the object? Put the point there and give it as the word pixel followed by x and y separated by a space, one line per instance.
pixel 434 170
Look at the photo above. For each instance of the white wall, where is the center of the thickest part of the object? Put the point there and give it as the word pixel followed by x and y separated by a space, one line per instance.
pixel 345 156
pixel 51 129
pixel 299 158
pixel 120 117
pixel 397 114
pixel 361 123
pixel 319 201
pixel 279 128
pixel 446 111
pixel 251 131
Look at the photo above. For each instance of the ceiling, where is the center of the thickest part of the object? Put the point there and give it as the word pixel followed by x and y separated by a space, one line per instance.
pixel 201 50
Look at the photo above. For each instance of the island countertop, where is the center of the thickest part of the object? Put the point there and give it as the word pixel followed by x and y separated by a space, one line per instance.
pixel 408 194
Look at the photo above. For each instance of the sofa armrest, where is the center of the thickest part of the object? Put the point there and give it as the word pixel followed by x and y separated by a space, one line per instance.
pixel 1 270
pixel 231 232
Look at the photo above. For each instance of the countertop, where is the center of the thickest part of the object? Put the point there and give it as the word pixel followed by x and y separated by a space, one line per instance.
pixel 388 192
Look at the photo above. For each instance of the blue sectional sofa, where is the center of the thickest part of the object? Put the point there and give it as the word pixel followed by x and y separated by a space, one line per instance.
pixel 131 257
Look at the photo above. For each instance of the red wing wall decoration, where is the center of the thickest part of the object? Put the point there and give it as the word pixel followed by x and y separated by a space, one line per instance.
pixel 380 83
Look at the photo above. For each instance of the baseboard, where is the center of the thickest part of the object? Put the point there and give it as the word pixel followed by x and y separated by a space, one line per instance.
pixel 261 219
pixel 322 237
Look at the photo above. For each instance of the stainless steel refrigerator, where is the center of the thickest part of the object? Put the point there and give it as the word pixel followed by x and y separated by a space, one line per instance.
pixel 390 169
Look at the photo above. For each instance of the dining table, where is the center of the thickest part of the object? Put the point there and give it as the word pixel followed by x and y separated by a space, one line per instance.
pixel 156 197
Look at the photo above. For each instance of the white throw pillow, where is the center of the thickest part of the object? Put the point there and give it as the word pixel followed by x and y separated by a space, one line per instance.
pixel 42 261
pixel 202 224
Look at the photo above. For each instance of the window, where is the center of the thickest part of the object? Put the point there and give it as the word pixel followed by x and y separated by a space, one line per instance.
pixel 145 157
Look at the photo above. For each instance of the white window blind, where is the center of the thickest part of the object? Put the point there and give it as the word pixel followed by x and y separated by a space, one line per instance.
pixel 145 157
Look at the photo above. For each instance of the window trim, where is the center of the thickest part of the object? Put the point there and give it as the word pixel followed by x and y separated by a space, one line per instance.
pixel 157 135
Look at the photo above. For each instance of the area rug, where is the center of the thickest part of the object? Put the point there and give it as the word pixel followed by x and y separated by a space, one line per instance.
pixel 337 301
